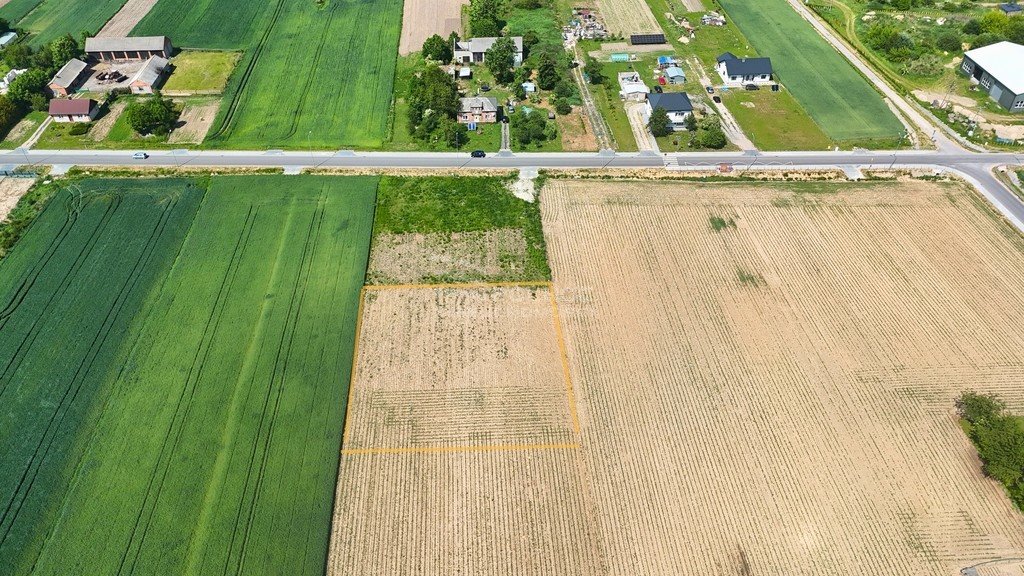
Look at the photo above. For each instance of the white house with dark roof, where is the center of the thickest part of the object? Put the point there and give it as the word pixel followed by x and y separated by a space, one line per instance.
pixel 740 71
pixel 676 104
pixel 999 70
pixel 475 49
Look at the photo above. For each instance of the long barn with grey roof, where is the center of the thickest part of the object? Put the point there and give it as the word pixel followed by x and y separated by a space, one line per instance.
pixel 128 48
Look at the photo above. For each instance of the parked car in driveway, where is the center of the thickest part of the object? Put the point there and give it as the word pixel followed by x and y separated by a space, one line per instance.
pixel 658 89
pixel 717 99
pixel 751 87
pixel 710 89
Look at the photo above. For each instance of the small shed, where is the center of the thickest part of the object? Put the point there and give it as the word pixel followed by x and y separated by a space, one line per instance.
pixel 465 73
pixel 675 75
pixel 7 38
pixel 666 61
pixel 620 57
pixel 529 87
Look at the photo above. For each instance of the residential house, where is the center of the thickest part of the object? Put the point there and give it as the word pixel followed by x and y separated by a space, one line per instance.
pixel 478 110
pixel 631 88
pixel 675 75
pixel 676 104
pixel 150 76
pixel 998 70
pixel 73 110
pixel 67 78
pixel 475 49
pixel 5 82
pixel 1011 9
pixel 128 48
pixel 741 71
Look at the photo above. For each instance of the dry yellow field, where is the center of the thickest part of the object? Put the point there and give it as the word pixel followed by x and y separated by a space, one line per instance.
pixel 421 19
pixel 625 17
pixel 774 397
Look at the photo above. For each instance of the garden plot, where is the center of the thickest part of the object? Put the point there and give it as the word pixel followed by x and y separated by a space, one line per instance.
pixel 421 19
pixel 410 258
pixel 451 368
pixel 625 17
pixel 766 373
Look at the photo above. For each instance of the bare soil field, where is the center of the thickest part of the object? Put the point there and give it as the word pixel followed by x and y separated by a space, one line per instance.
pixel 421 19
pixel 101 128
pixel 195 121
pixel 414 258
pixel 576 133
pixel 627 17
pixel 127 18
pixel 11 190
pixel 442 368
pixel 776 396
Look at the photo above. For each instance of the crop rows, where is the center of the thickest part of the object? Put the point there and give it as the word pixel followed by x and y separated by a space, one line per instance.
pixel 840 100
pixel 792 410
pixel 49 19
pixel 209 443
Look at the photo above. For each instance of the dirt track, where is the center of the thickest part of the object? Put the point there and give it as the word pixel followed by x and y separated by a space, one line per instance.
pixel 122 23
pixel 421 19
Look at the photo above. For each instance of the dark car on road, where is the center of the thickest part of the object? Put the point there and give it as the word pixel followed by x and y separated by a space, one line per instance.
pixel 478 154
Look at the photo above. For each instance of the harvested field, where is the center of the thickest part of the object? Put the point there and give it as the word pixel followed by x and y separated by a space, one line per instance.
pixel 421 19
pixel 195 121
pixel 453 368
pixel 627 17
pixel 127 18
pixel 412 258
pixel 776 396
pixel 11 190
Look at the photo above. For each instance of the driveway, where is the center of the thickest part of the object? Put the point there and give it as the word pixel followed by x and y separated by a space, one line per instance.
pixel 644 139
pixel 729 124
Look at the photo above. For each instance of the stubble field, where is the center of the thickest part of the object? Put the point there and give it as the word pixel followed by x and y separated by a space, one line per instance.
pixel 780 389
pixel 625 17
pixel 421 19
pixel 764 377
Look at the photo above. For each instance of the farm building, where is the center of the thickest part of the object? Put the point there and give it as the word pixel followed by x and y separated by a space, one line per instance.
pixel 997 69
pixel 1010 9
pixel 737 71
pixel 73 110
pixel 676 104
pixel 128 48
pixel 5 82
pixel 150 76
pixel 67 78
pixel 675 75
pixel 7 38
pixel 478 110
pixel 475 49
pixel 632 88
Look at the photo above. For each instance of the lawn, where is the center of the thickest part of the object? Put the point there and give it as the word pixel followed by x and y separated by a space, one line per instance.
pixel 838 98
pixel 49 19
pixel 58 135
pixel 445 205
pixel 774 120
pixel 202 72
pixel 23 130
pixel 175 374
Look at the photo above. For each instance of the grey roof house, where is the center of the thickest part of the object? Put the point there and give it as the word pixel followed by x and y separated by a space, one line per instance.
pixel 998 70
pixel 676 104
pixel 475 49
pixel 478 110
pixel 737 71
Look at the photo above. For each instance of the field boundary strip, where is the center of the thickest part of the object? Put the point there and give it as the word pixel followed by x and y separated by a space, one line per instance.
pixel 562 354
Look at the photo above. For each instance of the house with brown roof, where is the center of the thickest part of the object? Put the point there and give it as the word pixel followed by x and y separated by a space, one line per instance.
pixel 67 78
pixel 150 76
pixel 73 110
pixel 128 48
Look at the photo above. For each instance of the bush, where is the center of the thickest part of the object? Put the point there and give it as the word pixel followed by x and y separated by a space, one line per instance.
pixel 949 41
pixel 999 438
pixel 437 48
pixel 927 65
pixel 79 129
pixel 562 106
pixel 154 115
pixel 532 128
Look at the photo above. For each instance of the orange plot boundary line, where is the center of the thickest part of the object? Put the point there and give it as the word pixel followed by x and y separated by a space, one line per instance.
pixel 461 285
pixel 441 449
pixel 564 354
